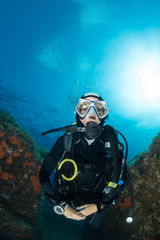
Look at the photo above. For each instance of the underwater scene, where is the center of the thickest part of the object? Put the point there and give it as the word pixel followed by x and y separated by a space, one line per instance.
pixel 52 53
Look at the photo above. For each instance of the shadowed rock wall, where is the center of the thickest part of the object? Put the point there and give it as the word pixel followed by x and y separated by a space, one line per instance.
pixel 20 191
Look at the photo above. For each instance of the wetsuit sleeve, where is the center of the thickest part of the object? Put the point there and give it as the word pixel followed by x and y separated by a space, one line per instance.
pixel 48 167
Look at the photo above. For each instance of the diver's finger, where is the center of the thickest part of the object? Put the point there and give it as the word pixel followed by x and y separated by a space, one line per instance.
pixel 81 207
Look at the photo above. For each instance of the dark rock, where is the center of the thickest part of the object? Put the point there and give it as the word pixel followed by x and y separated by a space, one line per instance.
pixel 20 192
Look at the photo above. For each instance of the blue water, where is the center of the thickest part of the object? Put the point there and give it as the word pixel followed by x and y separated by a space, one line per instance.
pixel 51 52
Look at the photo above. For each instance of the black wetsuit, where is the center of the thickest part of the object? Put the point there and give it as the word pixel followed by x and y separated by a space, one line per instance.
pixel 96 155
pixel 95 163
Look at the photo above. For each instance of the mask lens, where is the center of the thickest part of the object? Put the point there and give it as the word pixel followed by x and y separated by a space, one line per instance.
pixel 102 108
pixel 83 106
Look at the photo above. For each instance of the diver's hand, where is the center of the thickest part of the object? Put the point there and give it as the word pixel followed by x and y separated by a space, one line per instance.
pixel 73 214
pixel 88 209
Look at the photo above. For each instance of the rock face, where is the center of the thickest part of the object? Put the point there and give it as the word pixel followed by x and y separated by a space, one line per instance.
pixel 145 176
pixel 20 191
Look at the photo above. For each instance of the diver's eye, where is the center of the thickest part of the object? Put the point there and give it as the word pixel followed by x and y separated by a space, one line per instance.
pixel 99 108
pixel 84 107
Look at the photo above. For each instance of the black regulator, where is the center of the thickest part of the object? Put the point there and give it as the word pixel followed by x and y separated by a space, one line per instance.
pixel 91 131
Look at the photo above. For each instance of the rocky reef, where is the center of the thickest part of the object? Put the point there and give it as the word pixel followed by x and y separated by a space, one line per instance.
pixel 20 191
pixel 145 177
pixel 24 214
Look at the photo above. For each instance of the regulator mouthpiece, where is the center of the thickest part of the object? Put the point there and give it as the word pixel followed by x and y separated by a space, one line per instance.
pixel 93 130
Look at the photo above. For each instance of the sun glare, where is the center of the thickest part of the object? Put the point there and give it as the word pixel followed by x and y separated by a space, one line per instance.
pixel 147 80
pixel 135 74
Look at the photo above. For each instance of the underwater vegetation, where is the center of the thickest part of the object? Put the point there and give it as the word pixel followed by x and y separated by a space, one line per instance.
pixel 22 204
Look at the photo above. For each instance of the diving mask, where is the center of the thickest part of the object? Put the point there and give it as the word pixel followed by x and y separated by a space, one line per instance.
pixel 85 106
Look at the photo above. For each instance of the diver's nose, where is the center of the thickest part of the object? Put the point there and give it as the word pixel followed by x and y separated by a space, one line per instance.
pixel 92 112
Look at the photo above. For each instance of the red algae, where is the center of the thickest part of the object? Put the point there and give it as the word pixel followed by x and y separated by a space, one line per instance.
pixel 29 164
pixel 3 144
pixel 27 154
pixel 9 160
pixel 2 154
pixel 38 168
pixel 5 224
pixel 35 183
pixel 5 176
pixel 14 141
pixel 1 134
pixel 126 204
pixel 15 154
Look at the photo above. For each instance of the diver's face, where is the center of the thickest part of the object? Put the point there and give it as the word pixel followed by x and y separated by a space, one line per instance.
pixel 91 116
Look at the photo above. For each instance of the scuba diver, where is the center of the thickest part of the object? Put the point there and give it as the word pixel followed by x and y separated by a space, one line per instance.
pixel 86 168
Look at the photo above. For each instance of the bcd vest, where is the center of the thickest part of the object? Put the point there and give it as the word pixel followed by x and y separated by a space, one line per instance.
pixel 90 177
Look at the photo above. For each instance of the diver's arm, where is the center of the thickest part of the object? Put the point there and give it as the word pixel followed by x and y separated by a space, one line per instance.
pixel 47 168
